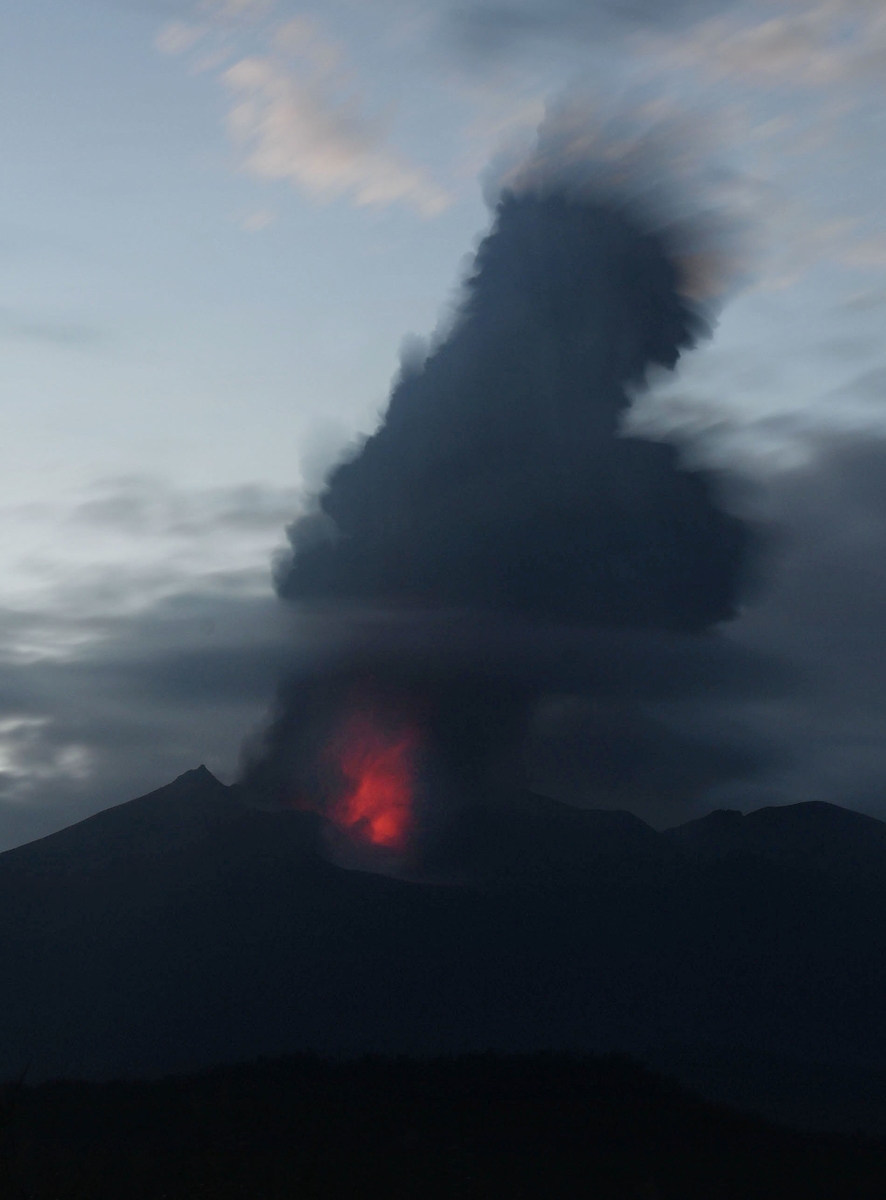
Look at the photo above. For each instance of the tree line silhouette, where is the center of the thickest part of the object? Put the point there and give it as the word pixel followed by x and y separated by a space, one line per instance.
pixel 471 1126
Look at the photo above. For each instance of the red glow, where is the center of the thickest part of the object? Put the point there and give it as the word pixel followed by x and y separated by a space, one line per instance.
pixel 379 768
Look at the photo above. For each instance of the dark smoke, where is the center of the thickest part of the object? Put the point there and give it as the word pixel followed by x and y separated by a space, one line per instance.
pixel 498 539
pixel 498 479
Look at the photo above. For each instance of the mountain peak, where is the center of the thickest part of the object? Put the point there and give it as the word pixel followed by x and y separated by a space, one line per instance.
pixel 171 816
pixel 812 834
pixel 196 775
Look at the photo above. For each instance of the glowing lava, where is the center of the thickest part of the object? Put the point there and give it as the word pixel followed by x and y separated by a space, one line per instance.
pixel 378 767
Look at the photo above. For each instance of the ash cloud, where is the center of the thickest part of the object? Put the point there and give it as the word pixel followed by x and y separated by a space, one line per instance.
pixel 498 479
pixel 498 539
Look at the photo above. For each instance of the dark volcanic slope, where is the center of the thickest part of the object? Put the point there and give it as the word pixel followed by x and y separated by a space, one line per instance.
pixel 183 929
pixel 121 860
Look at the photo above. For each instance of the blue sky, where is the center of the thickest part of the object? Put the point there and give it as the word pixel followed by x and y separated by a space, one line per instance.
pixel 219 221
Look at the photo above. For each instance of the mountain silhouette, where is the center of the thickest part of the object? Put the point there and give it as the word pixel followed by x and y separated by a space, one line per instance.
pixel 814 835
pixel 186 928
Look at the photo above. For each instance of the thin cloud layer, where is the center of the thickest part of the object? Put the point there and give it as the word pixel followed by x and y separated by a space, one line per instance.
pixel 138 637
pixel 796 43
pixel 113 706
pixel 135 539
pixel 826 614
pixel 38 327
pixel 297 113
pixel 483 29
pixel 301 132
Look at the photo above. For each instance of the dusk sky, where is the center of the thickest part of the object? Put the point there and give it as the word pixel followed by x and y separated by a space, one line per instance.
pixel 222 221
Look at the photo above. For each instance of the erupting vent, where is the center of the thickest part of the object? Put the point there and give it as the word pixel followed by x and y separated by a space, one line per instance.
pixel 377 767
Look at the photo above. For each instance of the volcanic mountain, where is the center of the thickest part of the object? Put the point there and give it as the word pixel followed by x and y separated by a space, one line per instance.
pixel 187 928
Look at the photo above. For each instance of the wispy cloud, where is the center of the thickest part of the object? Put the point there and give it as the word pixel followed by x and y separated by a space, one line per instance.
pixel 122 544
pixel 38 327
pixel 139 635
pixel 128 701
pixel 324 146
pixel 298 114
pixel 234 9
pixel 176 37
pixel 27 762
pixel 796 43
pixel 258 219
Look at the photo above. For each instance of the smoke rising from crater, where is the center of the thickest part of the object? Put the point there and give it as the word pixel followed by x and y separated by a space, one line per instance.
pixel 499 487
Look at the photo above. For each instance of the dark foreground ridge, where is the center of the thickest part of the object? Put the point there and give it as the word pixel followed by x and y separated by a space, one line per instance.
pixel 535 1127
pixel 744 955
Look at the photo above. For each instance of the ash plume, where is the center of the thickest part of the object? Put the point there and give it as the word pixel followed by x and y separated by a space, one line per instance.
pixel 497 478
pixel 497 537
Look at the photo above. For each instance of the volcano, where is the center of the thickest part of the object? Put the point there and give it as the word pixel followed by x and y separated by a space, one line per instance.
pixel 187 928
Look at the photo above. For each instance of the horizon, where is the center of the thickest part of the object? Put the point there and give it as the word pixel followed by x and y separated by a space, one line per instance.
pixel 665 829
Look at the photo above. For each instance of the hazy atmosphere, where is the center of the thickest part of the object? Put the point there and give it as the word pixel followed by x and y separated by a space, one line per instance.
pixel 228 228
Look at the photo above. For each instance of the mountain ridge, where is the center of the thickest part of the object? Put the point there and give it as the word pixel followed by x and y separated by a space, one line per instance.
pixel 541 928
pixel 136 818
pixel 830 835
pixel 810 833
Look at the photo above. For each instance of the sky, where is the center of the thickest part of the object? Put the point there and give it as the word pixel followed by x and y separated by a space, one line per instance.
pixel 222 222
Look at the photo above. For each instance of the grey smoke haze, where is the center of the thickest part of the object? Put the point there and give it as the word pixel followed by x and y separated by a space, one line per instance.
pixel 133 706
pixel 128 673
pixel 483 29
pixel 825 613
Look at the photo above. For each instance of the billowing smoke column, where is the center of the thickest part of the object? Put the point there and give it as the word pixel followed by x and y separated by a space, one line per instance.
pixel 497 479
pixel 498 487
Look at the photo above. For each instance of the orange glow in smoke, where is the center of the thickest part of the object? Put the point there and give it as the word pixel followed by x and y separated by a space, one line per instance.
pixel 378 767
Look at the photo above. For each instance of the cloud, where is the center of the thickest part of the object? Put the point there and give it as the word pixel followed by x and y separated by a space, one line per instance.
pixel 808 719
pixel 176 37
pixel 260 218
pixel 16 324
pixel 786 43
pixel 139 636
pixel 297 114
pixel 145 505
pixel 302 131
pixel 794 44
pixel 824 613
pixel 117 705
pixel 867 252
pixel 484 29
pixel 124 542
pixel 235 9
pixel 23 760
